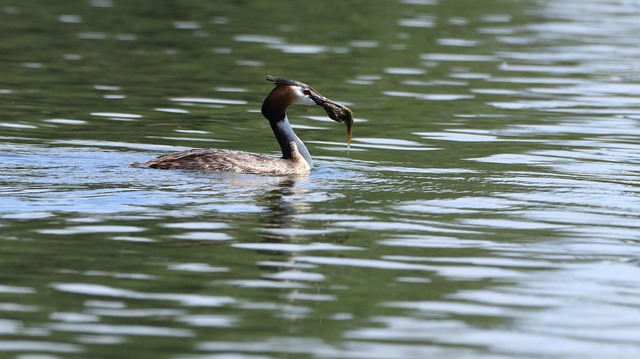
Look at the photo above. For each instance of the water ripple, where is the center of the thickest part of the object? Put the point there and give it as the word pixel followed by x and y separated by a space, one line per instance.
pixel 202 100
pixel 515 237
pixel 366 263
pixel 39 346
pixel 290 247
pixel 112 329
pixel 106 291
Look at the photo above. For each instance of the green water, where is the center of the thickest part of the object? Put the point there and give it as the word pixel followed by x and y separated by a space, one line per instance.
pixel 488 206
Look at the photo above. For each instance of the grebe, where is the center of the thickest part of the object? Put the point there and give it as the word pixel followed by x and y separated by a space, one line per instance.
pixel 295 156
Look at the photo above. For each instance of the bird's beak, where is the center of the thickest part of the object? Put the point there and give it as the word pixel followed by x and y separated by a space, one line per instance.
pixel 337 112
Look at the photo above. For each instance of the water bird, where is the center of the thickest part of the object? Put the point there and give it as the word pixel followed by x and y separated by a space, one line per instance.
pixel 295 155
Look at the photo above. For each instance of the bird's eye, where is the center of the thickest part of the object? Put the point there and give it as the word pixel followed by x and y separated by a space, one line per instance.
pixel 306 92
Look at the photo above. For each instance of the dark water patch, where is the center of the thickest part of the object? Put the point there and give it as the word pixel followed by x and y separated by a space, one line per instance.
pixel 486 207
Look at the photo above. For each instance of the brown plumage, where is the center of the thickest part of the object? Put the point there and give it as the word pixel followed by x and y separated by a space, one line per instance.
pixel 211 159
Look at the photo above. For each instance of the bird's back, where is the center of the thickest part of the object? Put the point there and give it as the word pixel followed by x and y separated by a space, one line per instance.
pixel 227 161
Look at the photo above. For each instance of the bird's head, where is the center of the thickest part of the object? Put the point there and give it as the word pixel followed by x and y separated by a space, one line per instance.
pixel 289 92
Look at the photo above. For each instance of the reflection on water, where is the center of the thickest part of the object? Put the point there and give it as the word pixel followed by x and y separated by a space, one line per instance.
pixel 487 207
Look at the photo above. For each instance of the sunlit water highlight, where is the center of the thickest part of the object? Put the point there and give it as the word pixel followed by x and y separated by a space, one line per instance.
pixel 488 206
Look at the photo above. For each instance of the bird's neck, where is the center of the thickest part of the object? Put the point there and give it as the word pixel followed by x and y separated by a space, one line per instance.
pixel 284 132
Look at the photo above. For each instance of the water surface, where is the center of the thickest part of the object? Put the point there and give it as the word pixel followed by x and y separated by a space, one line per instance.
pixel 488 206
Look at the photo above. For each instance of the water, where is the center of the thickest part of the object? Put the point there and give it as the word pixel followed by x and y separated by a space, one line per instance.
pixel 488 206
